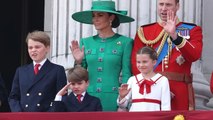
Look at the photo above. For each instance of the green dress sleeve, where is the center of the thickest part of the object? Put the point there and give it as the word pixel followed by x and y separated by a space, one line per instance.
pixel 126 61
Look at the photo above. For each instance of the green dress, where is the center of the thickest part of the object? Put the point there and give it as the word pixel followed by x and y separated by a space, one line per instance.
pixel 105 59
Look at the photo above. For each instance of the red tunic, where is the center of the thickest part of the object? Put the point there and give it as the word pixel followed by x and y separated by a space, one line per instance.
pixel 191 51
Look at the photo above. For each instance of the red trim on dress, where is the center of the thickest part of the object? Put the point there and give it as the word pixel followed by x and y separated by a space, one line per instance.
pixel 146 100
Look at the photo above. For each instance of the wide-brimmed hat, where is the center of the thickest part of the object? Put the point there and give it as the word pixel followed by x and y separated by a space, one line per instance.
pixel 101 6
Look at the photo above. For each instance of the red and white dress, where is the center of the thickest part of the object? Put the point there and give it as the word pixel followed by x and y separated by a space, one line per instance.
pixel 143 98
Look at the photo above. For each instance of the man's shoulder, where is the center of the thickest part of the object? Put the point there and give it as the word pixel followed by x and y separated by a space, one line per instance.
pixel 190 24
pixel 149 25
pixel 186 26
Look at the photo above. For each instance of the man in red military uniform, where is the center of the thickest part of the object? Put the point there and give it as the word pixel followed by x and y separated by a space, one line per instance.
pixel 178 44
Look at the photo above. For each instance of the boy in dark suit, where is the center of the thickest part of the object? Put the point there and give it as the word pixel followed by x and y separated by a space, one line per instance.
pixel 78 100
pixel 35 85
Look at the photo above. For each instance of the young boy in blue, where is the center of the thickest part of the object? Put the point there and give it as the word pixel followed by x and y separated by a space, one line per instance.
pixel 78 100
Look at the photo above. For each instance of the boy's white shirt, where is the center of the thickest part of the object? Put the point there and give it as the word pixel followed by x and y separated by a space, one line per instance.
pixel 41 63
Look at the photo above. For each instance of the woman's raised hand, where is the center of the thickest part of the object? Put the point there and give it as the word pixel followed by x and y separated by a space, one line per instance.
pixel 77 53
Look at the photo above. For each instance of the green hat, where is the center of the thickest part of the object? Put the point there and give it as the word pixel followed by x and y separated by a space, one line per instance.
pixel 101 6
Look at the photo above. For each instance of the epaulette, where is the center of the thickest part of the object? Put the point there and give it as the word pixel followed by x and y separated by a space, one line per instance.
pixel 148 24
pixel 191 24
pixel 184 29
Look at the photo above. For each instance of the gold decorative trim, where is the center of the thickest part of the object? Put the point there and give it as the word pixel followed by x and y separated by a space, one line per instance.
pixel 162 44
pixel 152 42
pixel 182 43
pixel 149 42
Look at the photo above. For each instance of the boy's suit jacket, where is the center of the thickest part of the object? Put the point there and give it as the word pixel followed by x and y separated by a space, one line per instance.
pixel 34 93
pixel 71 104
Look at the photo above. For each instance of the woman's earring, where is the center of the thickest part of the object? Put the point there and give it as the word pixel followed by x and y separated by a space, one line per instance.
pixel 110 22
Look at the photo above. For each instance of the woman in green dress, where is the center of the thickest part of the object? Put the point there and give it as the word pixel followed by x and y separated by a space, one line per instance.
pixel 105 55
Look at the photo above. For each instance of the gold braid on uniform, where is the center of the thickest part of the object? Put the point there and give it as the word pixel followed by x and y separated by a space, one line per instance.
pixel 162 43
pixel 182 43
pixel 152 42
pixel 149 42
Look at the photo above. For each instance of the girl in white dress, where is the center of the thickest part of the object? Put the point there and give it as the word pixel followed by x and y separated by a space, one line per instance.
pixel 147 91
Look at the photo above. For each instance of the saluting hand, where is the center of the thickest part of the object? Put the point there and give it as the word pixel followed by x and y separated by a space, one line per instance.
pixel 170 25
pixel 64 90
pixel 77 53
